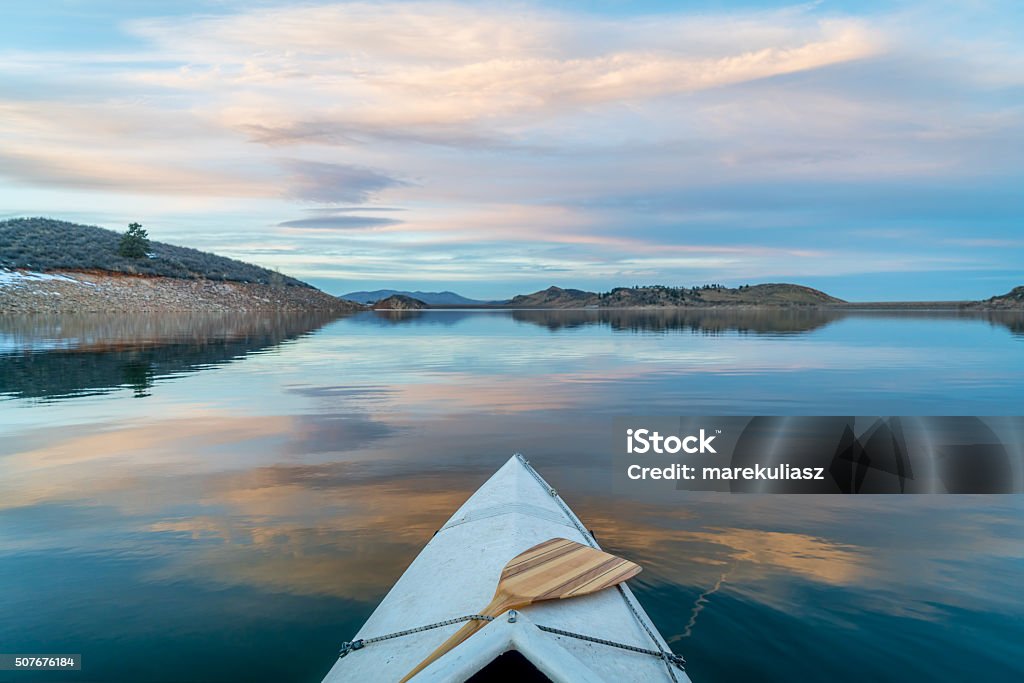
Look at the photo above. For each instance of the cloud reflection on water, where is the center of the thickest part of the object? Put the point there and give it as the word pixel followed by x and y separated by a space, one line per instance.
pixel 320 469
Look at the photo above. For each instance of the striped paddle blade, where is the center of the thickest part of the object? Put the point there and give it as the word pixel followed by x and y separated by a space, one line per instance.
pixel 560 568
pixel 555 569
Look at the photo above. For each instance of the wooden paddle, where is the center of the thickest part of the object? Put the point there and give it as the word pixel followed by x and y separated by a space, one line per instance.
pixel 552 570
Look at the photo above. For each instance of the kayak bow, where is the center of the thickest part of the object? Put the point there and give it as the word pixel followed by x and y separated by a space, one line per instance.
pixel 604 636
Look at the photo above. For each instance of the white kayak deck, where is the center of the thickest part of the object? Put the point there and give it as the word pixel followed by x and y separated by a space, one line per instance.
pixel 456 574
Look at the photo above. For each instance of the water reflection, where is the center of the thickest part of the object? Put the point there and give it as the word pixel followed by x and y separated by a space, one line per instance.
pixel 702 321
pixel 711 321
pixel 245 519
pixel 342 532
pixel 74 355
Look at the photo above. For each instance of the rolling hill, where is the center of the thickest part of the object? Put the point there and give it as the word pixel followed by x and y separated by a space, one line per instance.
pixel 44 244
pixel 772 294
pixel 398 302
pixel 50 266
pixel 555 297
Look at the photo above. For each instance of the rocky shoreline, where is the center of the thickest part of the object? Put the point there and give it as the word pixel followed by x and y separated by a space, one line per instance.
pixel 81 292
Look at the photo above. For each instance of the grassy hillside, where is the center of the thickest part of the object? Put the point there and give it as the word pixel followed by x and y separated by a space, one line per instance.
pixel 43 244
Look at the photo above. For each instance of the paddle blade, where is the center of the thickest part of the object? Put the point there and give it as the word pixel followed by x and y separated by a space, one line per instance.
pixel 560 568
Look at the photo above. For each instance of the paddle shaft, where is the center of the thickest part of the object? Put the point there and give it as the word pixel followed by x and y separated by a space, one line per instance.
pixel 499 605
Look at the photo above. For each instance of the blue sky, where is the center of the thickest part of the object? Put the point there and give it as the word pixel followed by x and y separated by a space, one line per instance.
pixel 870 149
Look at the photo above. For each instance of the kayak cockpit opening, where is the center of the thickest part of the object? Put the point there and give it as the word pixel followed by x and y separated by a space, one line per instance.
pixel 509 666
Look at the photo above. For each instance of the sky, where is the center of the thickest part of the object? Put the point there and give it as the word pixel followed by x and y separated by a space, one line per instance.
pixel 873 150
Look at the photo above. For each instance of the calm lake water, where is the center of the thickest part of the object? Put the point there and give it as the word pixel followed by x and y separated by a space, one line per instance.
pixel 227 498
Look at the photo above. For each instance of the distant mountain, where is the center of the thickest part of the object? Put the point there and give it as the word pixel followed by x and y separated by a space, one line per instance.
pixel 773 294
pixel 431 298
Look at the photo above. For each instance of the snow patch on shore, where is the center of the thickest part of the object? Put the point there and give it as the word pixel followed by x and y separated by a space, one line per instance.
pixel 14 277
